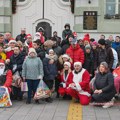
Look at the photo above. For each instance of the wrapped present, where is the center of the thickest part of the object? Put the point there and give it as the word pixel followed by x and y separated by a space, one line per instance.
pixel 4 97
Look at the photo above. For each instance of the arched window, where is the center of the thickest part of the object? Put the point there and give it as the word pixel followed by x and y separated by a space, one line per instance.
pixel 21 0
pixel 66 0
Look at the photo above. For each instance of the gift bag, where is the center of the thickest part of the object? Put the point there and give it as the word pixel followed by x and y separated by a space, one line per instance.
pixel 4 97
pixel 24 86
pixel 42 91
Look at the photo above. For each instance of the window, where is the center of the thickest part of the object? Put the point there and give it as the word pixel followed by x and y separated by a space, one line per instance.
pixel 65 0
pixel 112 7
pixel 21 0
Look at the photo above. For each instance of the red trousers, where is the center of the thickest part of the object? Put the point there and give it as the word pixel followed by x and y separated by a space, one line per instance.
pixel 84 99
pixel 62 91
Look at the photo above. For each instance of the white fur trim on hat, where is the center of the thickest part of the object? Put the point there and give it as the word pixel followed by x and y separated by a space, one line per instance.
pixel 12 41
pixel 51 50
pixel 78 63
pixel 65 56
pixel 68 64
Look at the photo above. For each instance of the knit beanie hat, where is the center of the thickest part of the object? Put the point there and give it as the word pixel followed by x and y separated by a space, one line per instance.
pixel 104 64
pixel 88 47
pixel 32 50
pixel 102 42
pixel 65 56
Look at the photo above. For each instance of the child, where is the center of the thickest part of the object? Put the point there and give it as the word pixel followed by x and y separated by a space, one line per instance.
pixel 2 54
pixel 50 70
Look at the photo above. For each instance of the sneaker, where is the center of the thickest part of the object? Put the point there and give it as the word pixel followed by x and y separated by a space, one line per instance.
pixel 108 104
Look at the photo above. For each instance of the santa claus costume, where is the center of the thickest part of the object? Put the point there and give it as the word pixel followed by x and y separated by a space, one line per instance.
pixel 65 78
pixel 79 88
pixel 5 76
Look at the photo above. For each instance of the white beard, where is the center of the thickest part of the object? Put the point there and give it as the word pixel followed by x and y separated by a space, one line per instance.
pixel 2 70
pixel 36 37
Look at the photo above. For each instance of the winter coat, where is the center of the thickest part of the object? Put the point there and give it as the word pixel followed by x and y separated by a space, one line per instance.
pixel 89 62
pixel 32 68
pixel 3 55
pixel 7 79
pixel 115 45
pixel 105 55
pixel 76 54
pixel 21 37
pixel 105 82
pixel 81 81
pixel 66 81
pixel 66 33
pixel 50 70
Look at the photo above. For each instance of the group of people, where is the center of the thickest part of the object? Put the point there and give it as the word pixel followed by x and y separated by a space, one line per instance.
pixel 80 68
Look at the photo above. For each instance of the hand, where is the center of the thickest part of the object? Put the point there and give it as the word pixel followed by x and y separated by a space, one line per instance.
pixel 7 61
pixel 72 85
pixel 100 91
pixel 96 91
pixel 23 79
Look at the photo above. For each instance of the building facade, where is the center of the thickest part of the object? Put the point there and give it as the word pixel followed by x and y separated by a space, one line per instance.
pixel 90 16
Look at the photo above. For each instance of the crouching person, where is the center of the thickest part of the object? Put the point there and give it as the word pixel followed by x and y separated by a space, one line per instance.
pixel 5 76
pixel 104 89
pixel 65 79
pixel 79 88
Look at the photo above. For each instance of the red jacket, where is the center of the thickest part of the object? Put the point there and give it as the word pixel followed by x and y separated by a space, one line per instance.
pixel 76 54
pixel 8 81
pixel 82 80
pixel 9 54
pixel 68 79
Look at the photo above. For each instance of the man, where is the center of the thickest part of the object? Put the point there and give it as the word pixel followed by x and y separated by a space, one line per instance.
pixel 22 36
pixel 74 51
pixel 7 37
pixel 2 39
pixel 5 76
pixel 16 61
pixel 28 41
pixel 79 88
pixel 104 53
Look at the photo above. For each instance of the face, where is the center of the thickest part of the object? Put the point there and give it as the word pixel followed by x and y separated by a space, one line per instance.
pixel 87 50
pixel 2 66
pixel 23 31
pixel 111 38
pixel 32 54
pixel 94 47
pixel 51 53
pixel 29 39
pixel 19 44
pixel 67 28
pixel 117 39
pixel 102 37
pixel 102 69
pixel 55 34
pixel 12 44
pixel 1 49
pixel 7 35
pixel 66 67
pixel 1 39
pixel 65 59
pixel 80 42
pixel 77 68
pixel 16 51
pixel 35 45
pixel 86 42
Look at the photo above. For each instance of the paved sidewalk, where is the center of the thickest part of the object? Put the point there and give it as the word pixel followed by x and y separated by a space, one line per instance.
pixel 58 110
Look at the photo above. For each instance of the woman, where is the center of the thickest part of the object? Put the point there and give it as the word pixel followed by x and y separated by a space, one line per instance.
pixel 32 72
pixel 104 89
pixel 66 77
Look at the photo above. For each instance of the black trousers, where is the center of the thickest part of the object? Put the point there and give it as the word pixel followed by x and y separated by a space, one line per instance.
pixel 49 83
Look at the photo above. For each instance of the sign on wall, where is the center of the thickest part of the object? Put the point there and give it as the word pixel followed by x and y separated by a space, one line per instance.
pixel 90 20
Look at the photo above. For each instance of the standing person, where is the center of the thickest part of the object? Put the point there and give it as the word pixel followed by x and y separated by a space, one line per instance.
pixel 66 77
pixel 16 62
pixel 104 89
pixel 32 72
pixel 75 52
pixel 50 70
pixel 22 36
pixel 89 60
pixel 79 88
pixel 105 54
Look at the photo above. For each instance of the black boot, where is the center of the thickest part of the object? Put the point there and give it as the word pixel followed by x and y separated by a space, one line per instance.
pixel 28 102
pixel 37 102
pixel 50 100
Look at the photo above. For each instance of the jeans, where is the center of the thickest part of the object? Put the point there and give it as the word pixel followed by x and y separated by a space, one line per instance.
pixel 32 87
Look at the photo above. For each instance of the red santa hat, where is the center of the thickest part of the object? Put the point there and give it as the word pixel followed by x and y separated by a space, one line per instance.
pixel 74 34
pixel 78 63
pixel 2 62
pixel 28 35
pixel 68 64
pixel 12 41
